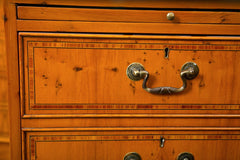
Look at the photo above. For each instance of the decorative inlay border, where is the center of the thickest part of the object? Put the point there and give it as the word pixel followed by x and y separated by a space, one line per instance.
pixel 131 46
pixel 135 107
pixel 34 140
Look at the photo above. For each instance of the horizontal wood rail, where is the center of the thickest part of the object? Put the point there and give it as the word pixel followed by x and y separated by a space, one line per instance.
pixel 119 27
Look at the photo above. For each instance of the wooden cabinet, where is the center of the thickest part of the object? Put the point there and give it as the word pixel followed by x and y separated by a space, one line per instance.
pixel 70 97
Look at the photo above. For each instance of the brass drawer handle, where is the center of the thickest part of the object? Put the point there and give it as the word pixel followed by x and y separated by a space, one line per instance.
pixel 136 72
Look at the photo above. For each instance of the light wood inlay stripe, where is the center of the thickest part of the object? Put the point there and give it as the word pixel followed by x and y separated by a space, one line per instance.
pixel 134 116
pixel 134 129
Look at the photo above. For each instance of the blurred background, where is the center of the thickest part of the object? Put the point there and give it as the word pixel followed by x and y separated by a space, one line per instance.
pixel 4 126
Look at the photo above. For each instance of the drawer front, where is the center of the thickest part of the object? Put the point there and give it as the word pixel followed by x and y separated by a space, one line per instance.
pixel 126 15
pixel 88 72
pixel 89 146
pixel 127 20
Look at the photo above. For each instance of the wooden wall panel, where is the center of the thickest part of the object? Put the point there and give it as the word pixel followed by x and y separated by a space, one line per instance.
pixel 4 126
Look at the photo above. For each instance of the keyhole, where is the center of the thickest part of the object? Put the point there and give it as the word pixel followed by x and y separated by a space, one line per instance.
pixel 166 51
pixel 162 140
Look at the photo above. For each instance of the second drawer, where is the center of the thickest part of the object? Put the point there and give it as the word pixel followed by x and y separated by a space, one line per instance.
pixel 107 146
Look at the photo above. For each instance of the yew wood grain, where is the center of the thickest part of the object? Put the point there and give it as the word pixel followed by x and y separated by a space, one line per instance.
pixel 147 149
pixel 134 121
pixel 119 27
pixel 184 4
pixel 74 145
pixel 3 79
pixel 4 150
pixel 97 111
pixel 79 71
pixel 124 15
pixel 67 91
pixel 4 120
pixel 13 79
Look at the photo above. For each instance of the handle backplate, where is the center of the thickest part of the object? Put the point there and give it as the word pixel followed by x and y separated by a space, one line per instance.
pixel 132 71
pixel 132 156
pixel 194 70
pixel 185 156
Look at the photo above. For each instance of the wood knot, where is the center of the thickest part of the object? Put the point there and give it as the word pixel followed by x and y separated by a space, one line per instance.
pixel 114 69
pixel 77 69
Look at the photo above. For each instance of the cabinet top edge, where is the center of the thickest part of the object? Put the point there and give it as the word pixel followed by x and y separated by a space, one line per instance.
pixel 183 4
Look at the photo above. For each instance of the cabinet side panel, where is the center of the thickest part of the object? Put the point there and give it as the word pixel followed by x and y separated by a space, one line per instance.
pixel 13 79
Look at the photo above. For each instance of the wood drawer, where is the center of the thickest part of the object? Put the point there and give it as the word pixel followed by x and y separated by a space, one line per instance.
pixel 115 145
pixel 88 72
pixel 125 15
pixel 126 20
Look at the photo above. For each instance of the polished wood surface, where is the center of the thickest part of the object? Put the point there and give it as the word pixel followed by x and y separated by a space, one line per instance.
pixel 92 145
pixel 127 28
pixel 56 68
pixel 4 150
pixel 4 125
pixel 169 122
pixel 69 95
pixel 123 15
pixel 56 19
pixel 13 79
pixel 184 4
pixel 3 79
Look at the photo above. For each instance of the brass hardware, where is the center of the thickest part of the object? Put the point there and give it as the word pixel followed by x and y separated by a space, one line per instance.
pixel 136 72
pixel 134 69
pixel 162 140
pixel 191 69
pixel 185 156
pixel 132 156
pixel 170 16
